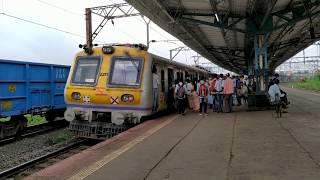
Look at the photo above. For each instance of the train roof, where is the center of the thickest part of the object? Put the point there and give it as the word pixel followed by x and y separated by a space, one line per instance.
pixel 159 58
pixel 175 63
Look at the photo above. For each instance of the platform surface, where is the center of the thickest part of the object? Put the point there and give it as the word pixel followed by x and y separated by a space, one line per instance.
pixel 226 146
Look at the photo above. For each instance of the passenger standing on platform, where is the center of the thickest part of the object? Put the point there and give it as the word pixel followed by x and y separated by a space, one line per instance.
pixel 195 99
pixel 155 89
pixel 228 90
pixel 189 93
pixel 234 95
pixel 203 97
pixel 219 91
pixel 243 92
pixel 213 93
pixel 180 92
pixel 210 97
pixel 238 87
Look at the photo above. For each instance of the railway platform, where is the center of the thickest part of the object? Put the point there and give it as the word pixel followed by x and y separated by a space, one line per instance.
pixel 234 146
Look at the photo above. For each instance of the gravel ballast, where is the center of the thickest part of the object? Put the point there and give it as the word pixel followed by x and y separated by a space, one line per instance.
pixel 27 149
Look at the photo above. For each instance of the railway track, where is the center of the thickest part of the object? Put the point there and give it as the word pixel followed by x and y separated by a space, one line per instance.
pixel 36 130
pixel 32 166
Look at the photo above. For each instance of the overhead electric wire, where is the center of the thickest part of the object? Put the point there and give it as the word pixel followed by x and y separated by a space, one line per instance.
pixel 61 8
pixel 58 29
pixel 43 25
pixel 39 24
pixel 145 23
pixel 82 15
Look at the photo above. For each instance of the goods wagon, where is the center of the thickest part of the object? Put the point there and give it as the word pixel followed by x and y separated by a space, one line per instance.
pixel 30 88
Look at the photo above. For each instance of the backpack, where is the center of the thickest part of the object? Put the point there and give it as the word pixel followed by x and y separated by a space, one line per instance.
pixel 181 92
pixel 202 90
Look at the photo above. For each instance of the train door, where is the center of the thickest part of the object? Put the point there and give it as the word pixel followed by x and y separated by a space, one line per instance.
pixel 171 88
pixel 163 88
pixel 180 76
pixel 186 75
pixel 170 77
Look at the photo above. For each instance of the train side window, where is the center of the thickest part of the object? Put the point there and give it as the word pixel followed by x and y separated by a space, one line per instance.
pixel 162 81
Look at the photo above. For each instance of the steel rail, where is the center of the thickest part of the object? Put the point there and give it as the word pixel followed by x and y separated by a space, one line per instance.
pixel 35 130
pixel 29 164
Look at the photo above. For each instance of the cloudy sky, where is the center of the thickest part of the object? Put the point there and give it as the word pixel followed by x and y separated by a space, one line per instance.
pixel 24 37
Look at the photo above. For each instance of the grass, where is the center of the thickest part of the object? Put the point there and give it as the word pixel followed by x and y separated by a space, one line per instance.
pixel 308 84
pixel 59 138
pixel 5 119
pixel 35 120
pixel 32 120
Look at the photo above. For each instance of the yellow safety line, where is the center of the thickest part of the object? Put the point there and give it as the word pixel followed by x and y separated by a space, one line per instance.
pixel 108 158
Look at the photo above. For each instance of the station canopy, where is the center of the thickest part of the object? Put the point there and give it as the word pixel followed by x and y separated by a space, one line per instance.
pixel 224 31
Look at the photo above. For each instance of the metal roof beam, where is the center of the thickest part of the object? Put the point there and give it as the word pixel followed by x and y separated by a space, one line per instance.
pixel 214 24
pixel 219 24
pixel 267 15
pixel 282 16
pixel 225 48
pixel 296 19
pixel 220 20
pixel 181 13
pixel 226 53
pixel 236 22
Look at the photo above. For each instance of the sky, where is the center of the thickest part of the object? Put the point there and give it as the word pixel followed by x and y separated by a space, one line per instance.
pixel 58 42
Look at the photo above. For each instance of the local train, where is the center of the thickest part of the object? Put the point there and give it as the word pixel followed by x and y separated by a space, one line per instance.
pixel 29 88
pixel 112 87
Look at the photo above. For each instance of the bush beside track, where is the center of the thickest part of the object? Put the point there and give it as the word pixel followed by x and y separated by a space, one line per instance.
pixel 312 83
pixel 32 120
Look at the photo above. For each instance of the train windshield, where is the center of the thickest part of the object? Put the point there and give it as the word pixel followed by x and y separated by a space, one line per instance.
pixel 86 70
pixel 125 71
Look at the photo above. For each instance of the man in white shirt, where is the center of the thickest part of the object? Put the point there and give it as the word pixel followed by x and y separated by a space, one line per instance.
pixel 273 90
pixel 155 89
pixel 219 89
pixel 189 88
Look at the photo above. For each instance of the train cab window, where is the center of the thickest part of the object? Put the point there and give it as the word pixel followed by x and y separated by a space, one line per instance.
pixel 162 81
pixel 86 70
pixel 125 71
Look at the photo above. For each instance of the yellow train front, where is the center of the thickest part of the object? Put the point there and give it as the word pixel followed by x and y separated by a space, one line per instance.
pixel 112 87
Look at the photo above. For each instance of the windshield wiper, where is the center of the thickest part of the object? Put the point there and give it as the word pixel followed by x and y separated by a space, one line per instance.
pixel 132 61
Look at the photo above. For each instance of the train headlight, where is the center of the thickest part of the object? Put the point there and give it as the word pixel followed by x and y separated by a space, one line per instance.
pixel 107 49
pixel 76 96
pixel 127 98
pixel 69 115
